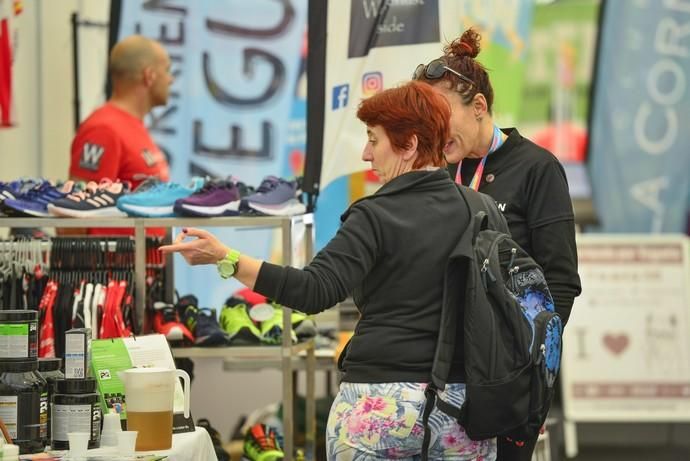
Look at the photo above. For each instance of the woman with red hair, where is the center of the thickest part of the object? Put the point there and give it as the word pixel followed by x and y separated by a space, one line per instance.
pixel 385 255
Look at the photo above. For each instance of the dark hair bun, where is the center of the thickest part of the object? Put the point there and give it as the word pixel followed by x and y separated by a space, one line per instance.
pixel 466 45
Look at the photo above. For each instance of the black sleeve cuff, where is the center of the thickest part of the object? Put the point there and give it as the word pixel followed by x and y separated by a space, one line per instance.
pixel 564 305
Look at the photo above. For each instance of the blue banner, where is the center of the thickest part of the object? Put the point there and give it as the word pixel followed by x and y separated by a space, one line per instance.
pixel 639 147
pixel 236 66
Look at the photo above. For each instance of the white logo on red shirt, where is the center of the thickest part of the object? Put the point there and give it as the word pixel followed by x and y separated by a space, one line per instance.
pixel 149 158
pixel 91 155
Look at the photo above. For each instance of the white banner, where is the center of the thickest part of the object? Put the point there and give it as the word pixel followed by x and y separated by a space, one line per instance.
pixel 626 349
pixel 409 32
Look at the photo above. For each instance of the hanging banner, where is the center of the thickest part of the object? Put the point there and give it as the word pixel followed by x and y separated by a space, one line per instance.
pixel 236 66
pixel 640 113
pixel 377 44
pixel 555 98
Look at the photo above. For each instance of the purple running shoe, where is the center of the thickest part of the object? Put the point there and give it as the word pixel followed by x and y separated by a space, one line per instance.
pixel 216 198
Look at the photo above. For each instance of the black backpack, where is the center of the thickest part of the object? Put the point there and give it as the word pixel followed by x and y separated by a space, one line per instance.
pixel 511 334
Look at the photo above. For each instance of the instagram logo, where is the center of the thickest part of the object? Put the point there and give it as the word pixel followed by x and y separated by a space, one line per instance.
pixel 372 83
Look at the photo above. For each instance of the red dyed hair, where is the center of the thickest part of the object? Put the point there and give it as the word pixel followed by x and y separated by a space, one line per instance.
pixel 414 108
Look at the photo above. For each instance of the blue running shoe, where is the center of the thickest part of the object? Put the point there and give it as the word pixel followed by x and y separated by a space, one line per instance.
pixel 15 189
pixel 203 324
pixel 96 201
pixel 9 190
pixel 35 202
pixel 158 201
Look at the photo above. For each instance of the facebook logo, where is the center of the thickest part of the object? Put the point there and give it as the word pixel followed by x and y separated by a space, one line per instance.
pixel 341 94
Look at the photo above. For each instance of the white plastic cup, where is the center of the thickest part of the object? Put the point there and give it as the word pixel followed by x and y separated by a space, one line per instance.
pixel 126 441
pixel 78 443
pixel 111 426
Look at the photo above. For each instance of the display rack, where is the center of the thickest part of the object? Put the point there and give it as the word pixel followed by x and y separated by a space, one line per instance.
pixel 261 356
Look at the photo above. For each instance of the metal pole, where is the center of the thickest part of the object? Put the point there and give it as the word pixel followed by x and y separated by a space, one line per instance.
pixel 286 354
pixel 75 69
pixel 140 271
pixel 310 410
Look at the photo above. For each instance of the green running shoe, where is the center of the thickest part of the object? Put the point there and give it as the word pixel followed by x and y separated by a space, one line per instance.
pixel 262 444
pixel 236 323
pixel 272 329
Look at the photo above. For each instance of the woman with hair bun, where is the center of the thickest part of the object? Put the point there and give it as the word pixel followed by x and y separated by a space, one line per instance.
pixel 527 181
pixel 383 254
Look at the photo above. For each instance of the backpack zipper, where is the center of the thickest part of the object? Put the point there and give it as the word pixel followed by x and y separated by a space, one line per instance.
pixel 486 270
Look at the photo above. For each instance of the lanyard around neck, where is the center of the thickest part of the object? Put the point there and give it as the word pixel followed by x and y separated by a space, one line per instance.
pixel 496 142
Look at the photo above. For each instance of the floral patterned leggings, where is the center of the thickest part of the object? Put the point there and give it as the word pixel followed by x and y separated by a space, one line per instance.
pixel 371 422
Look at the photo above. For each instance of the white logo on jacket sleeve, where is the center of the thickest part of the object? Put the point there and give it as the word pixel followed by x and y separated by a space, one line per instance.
pixel 149 158
pixel 91 155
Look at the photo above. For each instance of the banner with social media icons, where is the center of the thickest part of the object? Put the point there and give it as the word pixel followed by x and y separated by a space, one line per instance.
pixel 377 44
pixel 236 107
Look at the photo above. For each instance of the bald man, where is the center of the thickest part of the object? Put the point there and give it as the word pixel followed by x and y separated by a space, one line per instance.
pixel 113 141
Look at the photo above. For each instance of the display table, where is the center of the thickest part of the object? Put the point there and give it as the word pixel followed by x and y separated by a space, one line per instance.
pixel 189 446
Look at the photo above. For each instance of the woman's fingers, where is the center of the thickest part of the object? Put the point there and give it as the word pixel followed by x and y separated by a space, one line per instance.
pixel 201 233
pixel 174 248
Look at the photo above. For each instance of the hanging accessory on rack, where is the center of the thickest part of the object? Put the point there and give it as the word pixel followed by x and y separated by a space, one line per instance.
pixel 227 267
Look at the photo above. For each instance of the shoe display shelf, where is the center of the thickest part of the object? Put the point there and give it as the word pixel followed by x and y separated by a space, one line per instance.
pixel 284 356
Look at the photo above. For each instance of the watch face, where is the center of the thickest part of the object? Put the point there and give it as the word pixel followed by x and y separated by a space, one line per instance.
pixel 226 268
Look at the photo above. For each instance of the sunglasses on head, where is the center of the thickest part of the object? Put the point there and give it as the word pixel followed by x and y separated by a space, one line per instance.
pixel 435 70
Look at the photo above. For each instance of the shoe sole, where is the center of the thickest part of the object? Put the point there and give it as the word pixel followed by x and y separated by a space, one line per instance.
pixel 148 211
pixel 215 339
pixel 290 208
pixel 244 337
pixel 228 209
pixel 32 213
pixel 108 212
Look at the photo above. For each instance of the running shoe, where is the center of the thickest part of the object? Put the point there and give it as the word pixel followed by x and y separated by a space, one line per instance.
pixel 35 202
pixel 235 321
pixel 272 329
pixel 158 200
pixel 9 190
pixel 216 198
pixel 167 322
pixel 203 324
pixel 303 325
pixel 248 296
pixel 262 443
pixel 92 202
pixel 276 197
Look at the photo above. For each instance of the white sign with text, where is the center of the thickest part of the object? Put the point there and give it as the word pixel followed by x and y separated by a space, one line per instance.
pixel 626 354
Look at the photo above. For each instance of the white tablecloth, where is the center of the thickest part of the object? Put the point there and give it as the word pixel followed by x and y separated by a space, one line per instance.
pixel 188 446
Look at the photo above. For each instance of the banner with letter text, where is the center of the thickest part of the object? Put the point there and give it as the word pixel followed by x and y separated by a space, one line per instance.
pixel 639 133
pixel 236 65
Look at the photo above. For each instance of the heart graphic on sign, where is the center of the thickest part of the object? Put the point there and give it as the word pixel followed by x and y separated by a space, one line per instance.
pixel 616 343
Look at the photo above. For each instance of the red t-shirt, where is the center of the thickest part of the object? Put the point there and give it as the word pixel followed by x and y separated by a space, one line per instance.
pixel 114 144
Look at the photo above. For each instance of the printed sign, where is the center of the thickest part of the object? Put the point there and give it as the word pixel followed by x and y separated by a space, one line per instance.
pixel 626 353
pixel 378 23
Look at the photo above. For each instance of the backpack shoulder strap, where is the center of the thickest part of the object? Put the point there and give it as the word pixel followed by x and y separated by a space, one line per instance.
pixel 479 202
